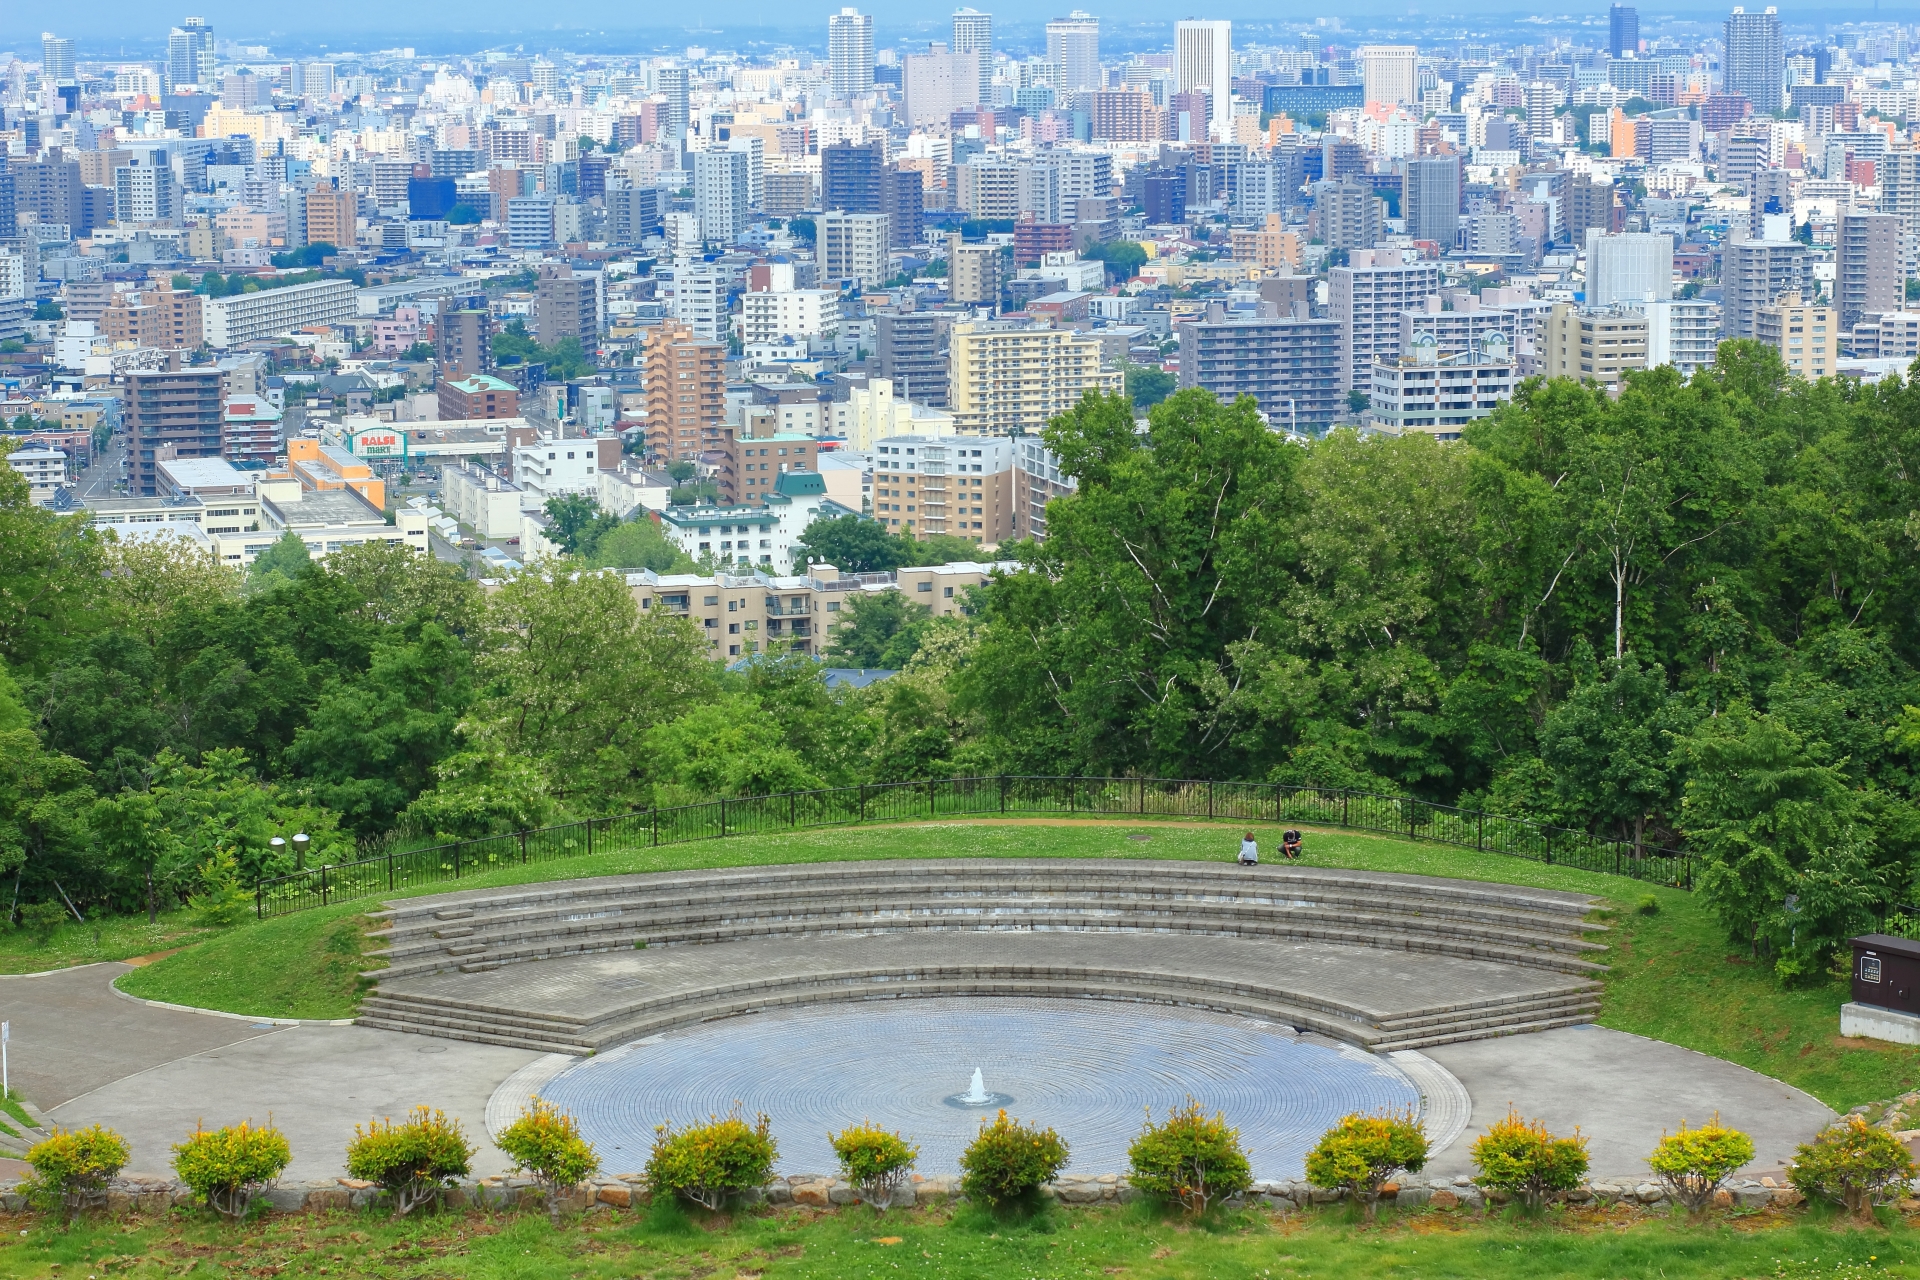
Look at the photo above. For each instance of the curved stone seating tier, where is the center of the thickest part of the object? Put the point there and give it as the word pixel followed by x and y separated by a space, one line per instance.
pixel 1381 961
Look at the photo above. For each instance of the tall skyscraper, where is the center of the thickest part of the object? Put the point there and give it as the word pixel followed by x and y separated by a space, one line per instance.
pixel 973 33
pixel 850 53
pixel 1623 30
pixel 1430 200
pixel 183 58
pixel 672 82
pixel 1866 265
pixel 56 59
pixel 1632 268
pixel 1073 47
pixel 1755 61
pixel 1390 72
pixel 1203 60
pixel 721 194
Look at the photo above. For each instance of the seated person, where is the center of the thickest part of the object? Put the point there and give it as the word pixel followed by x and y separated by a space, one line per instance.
pixel 1290 845
pixel 1249 851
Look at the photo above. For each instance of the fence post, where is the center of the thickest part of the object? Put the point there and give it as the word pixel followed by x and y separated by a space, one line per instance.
pixel 863 802
pixel 1413 820
pixel 260 901
pixel 389 871
pixel 655 812
pixel 1480 837
pixel 930 797
pixel 323 884
pixel 1344 797
pixel 1003 793
pixel 523 848
pixel 589 837
pixel 1209 797
pixel 1070 794
pixel 723 816
pixel 793 809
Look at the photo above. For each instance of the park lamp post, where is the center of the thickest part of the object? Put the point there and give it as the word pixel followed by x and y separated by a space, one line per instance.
pixel 278 847
pixel 300 843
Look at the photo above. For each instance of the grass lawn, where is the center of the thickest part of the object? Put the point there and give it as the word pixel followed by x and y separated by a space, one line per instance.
pixel 942 1245
pixel 107 938
pixel 1674 976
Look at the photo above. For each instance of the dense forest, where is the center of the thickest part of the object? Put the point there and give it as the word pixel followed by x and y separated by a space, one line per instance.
pixel 1686 616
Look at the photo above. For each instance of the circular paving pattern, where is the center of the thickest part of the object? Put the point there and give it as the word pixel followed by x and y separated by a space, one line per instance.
pixel 1087 1068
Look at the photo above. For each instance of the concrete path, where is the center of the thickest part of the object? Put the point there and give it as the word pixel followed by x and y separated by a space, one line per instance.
pixel 1622 1091
pixel 86 1055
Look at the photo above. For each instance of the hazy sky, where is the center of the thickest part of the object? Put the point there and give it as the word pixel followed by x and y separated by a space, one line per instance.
pixel 107 26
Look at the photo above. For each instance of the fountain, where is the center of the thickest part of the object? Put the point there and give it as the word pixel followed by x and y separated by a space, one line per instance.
pixel 978 1096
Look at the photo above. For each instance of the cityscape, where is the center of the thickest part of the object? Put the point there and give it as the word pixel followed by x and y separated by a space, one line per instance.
pixel 987 644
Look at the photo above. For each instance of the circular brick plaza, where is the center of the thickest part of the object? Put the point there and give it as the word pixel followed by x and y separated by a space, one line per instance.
pixel 1088 1068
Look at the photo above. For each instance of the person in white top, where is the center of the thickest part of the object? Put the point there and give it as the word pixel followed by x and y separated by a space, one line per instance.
pixel 1249 851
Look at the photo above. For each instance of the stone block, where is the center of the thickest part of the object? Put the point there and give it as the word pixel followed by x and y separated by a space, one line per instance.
pixel 842 1195
pixel 1723 1198
pixel 778 1192
pixel 813 1194
pixel 1079 1192
pixel 619 1196
pixel 1786 1197
pixel 327 1199
pixel 1471 1197
pixel 1444 1199
pixel 1413 1197
pixel 1650 1193
pixel 1325 1195
pixel 1750 1197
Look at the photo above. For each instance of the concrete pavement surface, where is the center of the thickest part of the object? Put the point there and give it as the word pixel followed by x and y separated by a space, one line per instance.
pixel 1623 1091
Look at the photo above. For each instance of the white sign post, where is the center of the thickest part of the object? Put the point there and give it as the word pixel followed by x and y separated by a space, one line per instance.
pixel 6 1033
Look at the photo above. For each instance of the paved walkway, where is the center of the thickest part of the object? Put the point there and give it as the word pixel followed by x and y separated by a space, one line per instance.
pixel 1623 1091
pixel 86 1055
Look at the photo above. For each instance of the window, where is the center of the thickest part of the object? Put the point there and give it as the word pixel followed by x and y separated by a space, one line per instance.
pixel 833 606
pixel 926 586
pixel 733 628
pixel 709 599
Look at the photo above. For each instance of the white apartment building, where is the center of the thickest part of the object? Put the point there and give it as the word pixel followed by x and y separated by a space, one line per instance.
pixel 789 313
pixel 45 470
pixel 248 317
pixel 1203 61
pixel 1426 391
pixel 1082 173
pixel 1367 298
pixel 852 246
pixel 700 292
pixel 1682 333
pixel 482 501
pixel 1631 267
pixel 722 192
pixel 754 536
pixel 550 467
pixel 1390 73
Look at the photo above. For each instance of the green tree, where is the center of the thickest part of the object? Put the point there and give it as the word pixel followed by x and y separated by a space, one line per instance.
pixel 882 630
pixel 1123 258
pixel 49 576
pixel 729 747
pixel 287 558
pixel 1147 386
pixel 1611 746
pixel 578 523
pixel 133 833
pixel 638 543
pixel 852 544
pixel 45 798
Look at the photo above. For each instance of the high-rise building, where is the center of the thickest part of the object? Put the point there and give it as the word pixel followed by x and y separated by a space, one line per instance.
pixel 1203 63
pixel 721 195
pixel 1631 267
pixel 850 176
pixel 1899 175
pixel 567 305
pixel 686 393
pixel 1430 199
pixel 973 33
pixel 56 59
pixel 1592 344
pixel 145 190
pixel 935 85
pixel 849 53
pixel 463 338
pixel 180 411
pixel 911 347
pixel 190 60
pixel 1436 392
pixel 1005 376
pixel 973 273
pixel 1348 214
pixel 332 216
pixel 1589 206
pixel 1867 270
pixel 1390 72
pixel 1806 335
pixel 1290 366
pixel 671 82
pixel 852 246
pixel 1366 298
pixel 1073 47
pixel 1755 63
pixel 1623 31
pixel 1682 332
pixel 1753 273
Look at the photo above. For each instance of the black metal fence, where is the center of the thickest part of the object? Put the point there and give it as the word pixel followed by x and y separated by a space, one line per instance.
pixel 974 797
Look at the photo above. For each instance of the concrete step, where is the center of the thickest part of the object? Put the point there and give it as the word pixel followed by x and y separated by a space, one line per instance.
pixel 1512 1029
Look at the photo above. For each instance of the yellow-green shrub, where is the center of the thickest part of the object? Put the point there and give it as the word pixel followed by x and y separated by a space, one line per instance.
pixel 1852 1163
pixel 230 1167
pixel 74 1166
pixel 709 1163
pixel 1694 1162
pixel 1522 1158
pixel 875 1161
pixel 1189 1157
pixel 546 1143
pixel 1008 1160
pixel 1361 1153
pixel 413 1162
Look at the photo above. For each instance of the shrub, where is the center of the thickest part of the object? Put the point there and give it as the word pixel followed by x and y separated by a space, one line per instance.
pixel 1008 1160
pixel 1694 1162
pixel 1521 1158
pixel 874 1161
pixel 1361 1153
pixel 74 1166
pixel 1851 1163
pixel 546 1143
pixel 1648 905
pixel 711 1162
pixel 412 1162
pixel 230 1167
pixel 1190 1158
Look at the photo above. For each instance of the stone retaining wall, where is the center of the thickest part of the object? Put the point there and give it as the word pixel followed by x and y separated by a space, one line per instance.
pixel 153 1195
